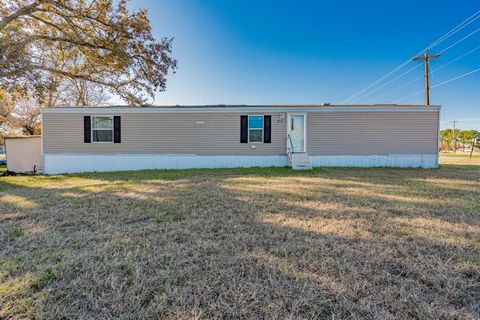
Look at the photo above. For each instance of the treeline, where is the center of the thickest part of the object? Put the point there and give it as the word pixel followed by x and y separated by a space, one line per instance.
pixel 453 140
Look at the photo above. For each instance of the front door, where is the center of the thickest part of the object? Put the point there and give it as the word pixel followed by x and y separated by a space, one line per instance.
pixel 296 131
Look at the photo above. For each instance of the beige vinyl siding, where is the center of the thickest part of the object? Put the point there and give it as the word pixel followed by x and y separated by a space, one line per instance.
pixel 333 133
pixel 23 153
pixel 162 133
pixel 372 133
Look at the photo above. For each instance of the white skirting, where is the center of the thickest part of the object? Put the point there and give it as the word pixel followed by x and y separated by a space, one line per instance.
pixel 426 161
pixel 75 163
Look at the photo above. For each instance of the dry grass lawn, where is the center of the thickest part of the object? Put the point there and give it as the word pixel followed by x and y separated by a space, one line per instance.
pixel 243 243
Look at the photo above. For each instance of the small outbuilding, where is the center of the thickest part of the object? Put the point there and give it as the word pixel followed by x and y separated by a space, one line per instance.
pixel 24 154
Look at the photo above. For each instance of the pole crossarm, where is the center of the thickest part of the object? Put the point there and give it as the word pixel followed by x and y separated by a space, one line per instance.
pixel 426 58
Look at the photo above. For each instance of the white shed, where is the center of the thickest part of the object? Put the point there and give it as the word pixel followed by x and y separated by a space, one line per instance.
pixel 24 154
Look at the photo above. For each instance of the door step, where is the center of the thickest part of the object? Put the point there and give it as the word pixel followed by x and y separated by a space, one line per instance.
pixel 300 161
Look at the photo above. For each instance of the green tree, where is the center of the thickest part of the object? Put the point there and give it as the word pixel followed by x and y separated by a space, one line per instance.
pixel 449 138
pixel 465 137
pixel 112 46
pixel 446 138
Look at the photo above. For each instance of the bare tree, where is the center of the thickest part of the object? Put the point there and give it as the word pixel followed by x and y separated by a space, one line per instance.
pixel 80 93
pixel 27 117
pixel 22 116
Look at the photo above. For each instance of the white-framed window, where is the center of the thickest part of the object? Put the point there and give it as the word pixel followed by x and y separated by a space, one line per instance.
pixel 255 128
pixel 102 129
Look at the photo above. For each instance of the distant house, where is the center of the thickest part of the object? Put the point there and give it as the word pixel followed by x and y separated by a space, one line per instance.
pixel 219 136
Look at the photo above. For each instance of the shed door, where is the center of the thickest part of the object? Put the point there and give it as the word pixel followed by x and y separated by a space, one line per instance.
pixel 296 130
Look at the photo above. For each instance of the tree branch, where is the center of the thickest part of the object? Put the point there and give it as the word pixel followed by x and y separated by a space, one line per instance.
pixel 20 12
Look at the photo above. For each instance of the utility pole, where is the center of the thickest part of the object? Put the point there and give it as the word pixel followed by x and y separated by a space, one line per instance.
pixel 426 58
pixel 453 133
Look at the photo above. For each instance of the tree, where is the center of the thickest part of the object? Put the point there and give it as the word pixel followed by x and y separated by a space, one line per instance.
pixel 22 115
pixel 64 91
pixel 113 48
pixel 7 103
pixel 446 138
pixel 81 93
pixel 466 137
pixel 27 117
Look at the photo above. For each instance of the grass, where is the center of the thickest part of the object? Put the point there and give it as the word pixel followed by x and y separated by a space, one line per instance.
pixel 460 154
pixel 243 243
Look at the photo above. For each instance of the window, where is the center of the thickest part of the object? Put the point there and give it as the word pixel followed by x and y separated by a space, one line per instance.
pixel 255 128
pixel 102 129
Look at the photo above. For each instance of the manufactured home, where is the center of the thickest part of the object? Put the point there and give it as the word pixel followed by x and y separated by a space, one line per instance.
pixel 221 136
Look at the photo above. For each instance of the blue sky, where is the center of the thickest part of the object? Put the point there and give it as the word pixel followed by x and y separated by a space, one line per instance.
pixel 275 52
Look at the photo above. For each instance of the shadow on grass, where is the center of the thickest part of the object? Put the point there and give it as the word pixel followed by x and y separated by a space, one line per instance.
pixel 261 243
pixel 459 167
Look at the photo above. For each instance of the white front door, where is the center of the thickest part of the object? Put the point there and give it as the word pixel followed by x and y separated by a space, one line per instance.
pixel 296 131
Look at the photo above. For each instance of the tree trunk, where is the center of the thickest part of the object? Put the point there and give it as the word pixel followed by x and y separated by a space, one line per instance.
pixel 473 146
pixel 29 130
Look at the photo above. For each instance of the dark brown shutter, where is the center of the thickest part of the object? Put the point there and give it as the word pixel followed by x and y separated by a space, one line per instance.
pixel 117 130
pixel 243 129
pixel 267 129
pixel 87 132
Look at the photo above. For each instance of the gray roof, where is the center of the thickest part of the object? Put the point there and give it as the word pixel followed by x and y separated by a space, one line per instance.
pixel 225 106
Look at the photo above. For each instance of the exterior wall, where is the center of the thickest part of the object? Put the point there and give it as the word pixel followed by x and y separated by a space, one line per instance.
pixel 337 136
pixel 163 133
pixel 372 133
pixel 23 153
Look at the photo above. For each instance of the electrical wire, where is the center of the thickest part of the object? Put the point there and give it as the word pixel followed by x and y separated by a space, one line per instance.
pixel 458 58
pixel 459 27
pixel 466 37
pixel 386 84
pixel 400 87
pixel 462 120
pixel 376 82
pixel 440 84
pixel 436 70
pixel 456 29
pixel 456 78
pixel 409 96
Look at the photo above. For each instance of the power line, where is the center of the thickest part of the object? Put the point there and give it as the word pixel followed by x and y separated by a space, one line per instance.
pixel 462 120
pixel 456 59
pixel 377 81
pixel 436 70
pixel 386 84
pixel 440 84
pixel 456 78
pixel 400 87
pixel 409 96
pixel 466 37
pixel 456 29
